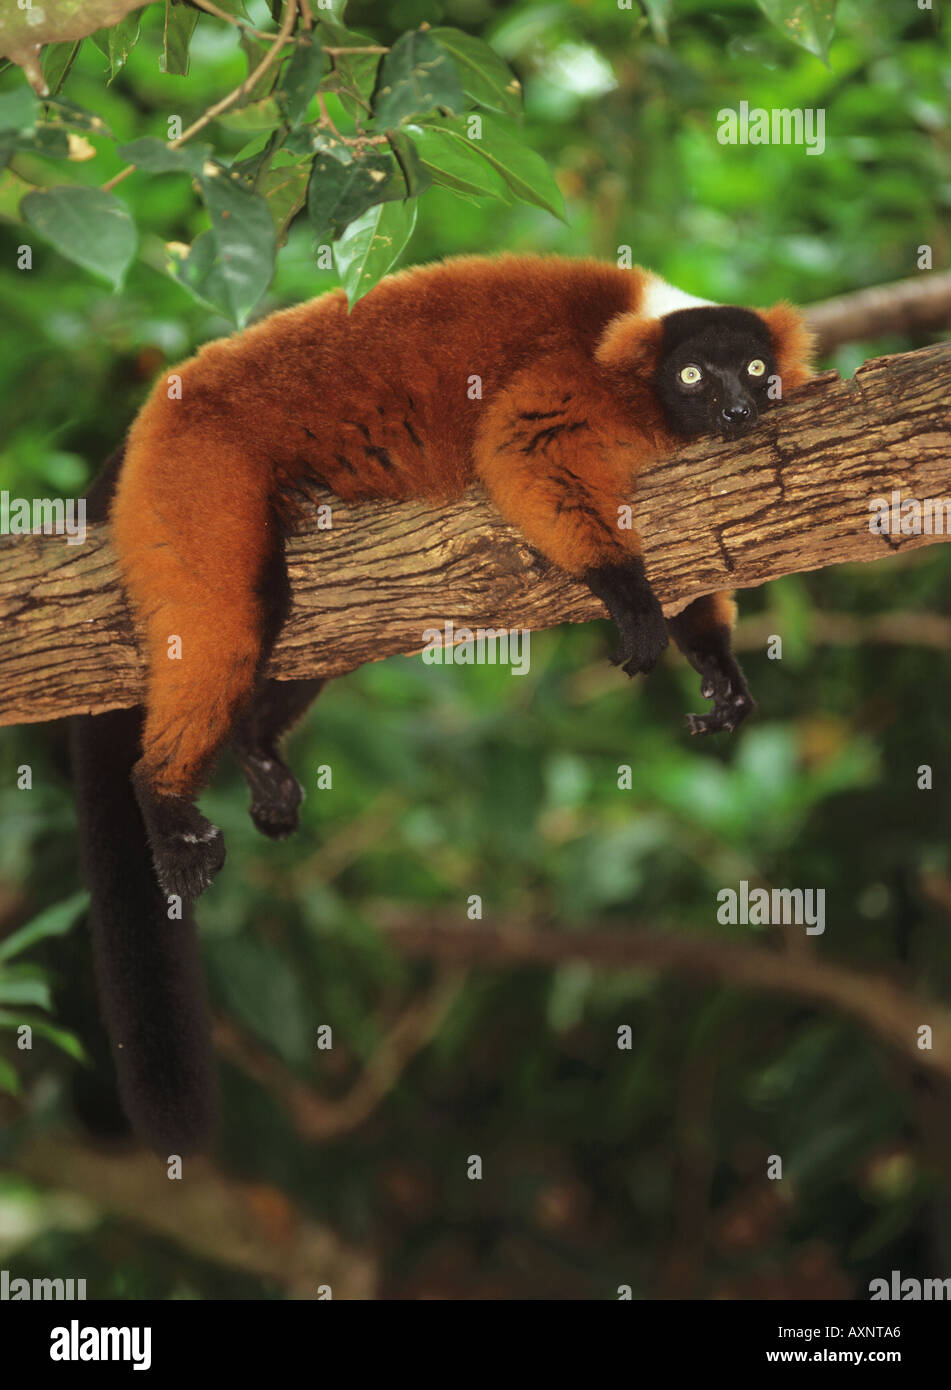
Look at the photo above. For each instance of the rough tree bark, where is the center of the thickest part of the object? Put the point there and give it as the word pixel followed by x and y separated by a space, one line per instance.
pixel 792 496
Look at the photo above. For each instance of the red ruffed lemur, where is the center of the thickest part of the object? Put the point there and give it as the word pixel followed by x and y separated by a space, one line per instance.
pixel 589 374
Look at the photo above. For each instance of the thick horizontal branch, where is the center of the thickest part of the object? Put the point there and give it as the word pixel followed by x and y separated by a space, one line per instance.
pixel 794 495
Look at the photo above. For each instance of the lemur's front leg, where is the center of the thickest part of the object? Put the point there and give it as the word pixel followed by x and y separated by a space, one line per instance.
pixel 624 590
pixel 558 462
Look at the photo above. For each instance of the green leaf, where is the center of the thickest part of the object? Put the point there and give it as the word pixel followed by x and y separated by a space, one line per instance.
pixel 18 109
pixel 261 988
pixel 157 157
pixel 9 1081
pixel 87 226
pixel 77 117
pixel 284 189
pixel 24 984
pixel 52 921
pixel 66 1041
pixel 809 23
pixel 416 75
pixel 117 42
pixel 453 162
pixel 371 244
pixel 18 113
pixel 51 141
pixel 301 78
pixel 330 14
pixel 257 115
pixel 343 188
pixel 501 145
pixel 353 76
pixel 180 21
pixel 58 59
pixel 353 81
pixel 235 8
pixel 485 77
pixel 659 12
pixel 195 270
pixel 415 174
pixel 244 244
pixel 253 160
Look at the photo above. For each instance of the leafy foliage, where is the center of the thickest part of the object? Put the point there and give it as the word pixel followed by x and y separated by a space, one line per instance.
pixel 24 986
pixel 284 98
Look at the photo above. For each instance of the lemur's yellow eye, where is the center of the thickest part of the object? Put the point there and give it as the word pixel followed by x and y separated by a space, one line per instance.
pixel 690 375
pixel 757 367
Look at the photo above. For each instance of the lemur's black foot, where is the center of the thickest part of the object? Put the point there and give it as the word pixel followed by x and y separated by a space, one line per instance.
pixel 276 794
pixel 187 850
pixel 639 618
pixel 732 702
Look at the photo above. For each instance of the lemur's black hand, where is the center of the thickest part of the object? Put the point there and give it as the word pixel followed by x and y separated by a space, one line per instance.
pixel 629 598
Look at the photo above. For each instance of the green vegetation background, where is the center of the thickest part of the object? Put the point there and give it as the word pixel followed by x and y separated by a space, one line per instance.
pixel 602 1166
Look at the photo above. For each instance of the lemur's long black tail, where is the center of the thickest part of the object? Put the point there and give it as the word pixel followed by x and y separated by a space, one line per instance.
pixel 148 972
pixel 147 964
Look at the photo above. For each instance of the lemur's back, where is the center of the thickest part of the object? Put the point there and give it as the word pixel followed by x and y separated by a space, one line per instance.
pixel 385 400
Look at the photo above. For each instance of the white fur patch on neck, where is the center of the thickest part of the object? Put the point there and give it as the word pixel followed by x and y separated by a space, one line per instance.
pixel 661 298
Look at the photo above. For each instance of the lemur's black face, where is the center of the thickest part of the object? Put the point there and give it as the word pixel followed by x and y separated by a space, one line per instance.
pixel 714 370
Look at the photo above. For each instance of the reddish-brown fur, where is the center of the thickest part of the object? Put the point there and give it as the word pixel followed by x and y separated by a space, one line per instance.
pixel 381 403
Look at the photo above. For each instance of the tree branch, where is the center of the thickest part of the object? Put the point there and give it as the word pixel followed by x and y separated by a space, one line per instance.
pixel 918 305
pixel 888 1011
pixel 792 496
pixel 252 1227
pixel 316 1117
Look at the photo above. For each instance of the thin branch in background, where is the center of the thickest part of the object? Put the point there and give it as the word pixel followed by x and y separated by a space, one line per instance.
pixel 326 123
pixel 251 1227
pixel 313 1116
pixel 277 47
pixel 919 304
pixel 241 24
pixel 886 1010
pixel 850 629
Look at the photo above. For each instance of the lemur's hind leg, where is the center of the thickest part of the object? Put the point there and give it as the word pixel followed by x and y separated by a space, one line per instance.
pixel 702 632
pixel 274 707
pixel 276 794
pixel 191 523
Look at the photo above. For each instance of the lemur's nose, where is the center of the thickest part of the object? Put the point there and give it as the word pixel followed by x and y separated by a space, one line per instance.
pixel 735 414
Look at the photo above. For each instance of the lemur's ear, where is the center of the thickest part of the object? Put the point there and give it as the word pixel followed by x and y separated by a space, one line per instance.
pixel 793 343
pixel 631 344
